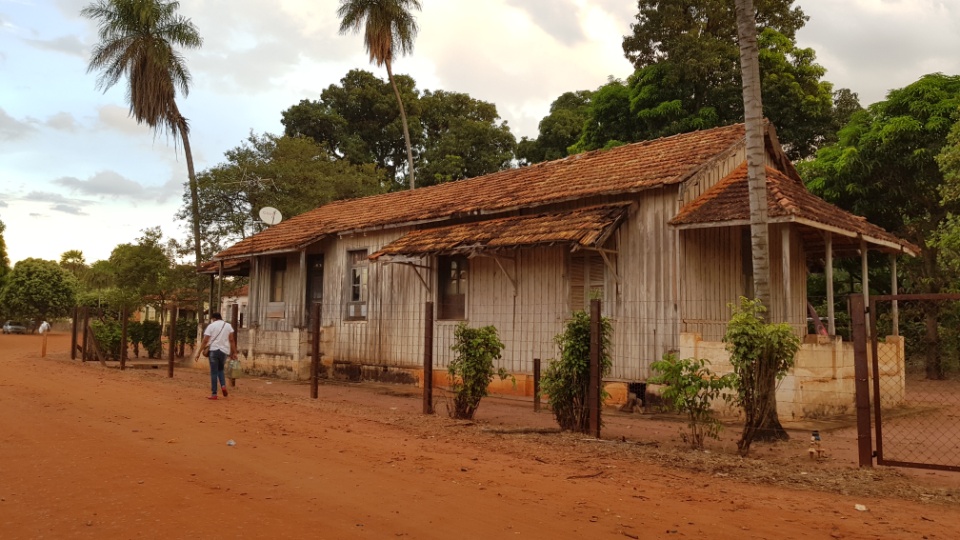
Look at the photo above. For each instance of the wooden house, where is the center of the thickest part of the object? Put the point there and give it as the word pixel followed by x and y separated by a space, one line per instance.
pixel 657 229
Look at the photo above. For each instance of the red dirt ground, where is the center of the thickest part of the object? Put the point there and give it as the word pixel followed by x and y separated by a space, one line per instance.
pixel 89 452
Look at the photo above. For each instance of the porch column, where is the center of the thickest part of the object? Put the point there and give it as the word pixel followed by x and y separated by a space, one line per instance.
pixel 831 319
pixel 865 281
pixel 895 313
pixel 253 299
pixel 303 288
pixel 785 259
pixel 219 285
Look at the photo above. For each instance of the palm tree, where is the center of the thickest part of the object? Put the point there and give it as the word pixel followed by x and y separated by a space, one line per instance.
pixel 138 40
pixel 762 423
pixel 387 27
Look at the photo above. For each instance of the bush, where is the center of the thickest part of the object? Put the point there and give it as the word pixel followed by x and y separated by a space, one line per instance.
pixel 471 371
pixel 108 334
pixel 691 388
pixel 565 381
pixel 761 354
pixel 150 335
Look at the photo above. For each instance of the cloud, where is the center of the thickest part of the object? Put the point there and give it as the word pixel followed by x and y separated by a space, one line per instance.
pixel 3 204
pixel 12 129
pixel 70 45
pixel 113 185
pixel 115 117
pixel 558 18
pixel 62 121
pixel 68 209
pixel 49 197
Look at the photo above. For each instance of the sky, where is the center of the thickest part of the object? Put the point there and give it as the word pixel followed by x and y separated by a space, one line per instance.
pixel 77 173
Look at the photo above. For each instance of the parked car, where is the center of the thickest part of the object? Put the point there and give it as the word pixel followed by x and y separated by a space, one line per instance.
pixel 13 327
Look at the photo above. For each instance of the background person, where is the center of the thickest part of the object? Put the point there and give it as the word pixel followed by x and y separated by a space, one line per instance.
pixel 219 336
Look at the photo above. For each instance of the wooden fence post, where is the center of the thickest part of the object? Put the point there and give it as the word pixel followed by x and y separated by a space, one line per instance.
pixel 172 343
pixel 593 391
pixel 234 316
pixel 86 328
pixel 428 358
pixel 315 351
pixel 124 315
pixel 861 380
pixel 73 333
pixel 536 385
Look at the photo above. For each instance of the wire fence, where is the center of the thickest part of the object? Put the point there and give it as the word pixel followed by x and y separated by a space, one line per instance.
pixel 917 416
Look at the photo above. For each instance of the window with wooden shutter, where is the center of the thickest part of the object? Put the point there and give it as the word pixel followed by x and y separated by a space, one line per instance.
pixel 587 276
pixel 453 288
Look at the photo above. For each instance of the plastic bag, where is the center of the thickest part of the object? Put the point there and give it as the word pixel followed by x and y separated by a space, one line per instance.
pixel 234 369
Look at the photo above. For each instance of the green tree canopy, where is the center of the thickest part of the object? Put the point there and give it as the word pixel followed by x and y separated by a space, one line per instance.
pixel 688 77
pixel 453 135
pixel 38 289
pixel 4 259
pixel 559 130
pixel 292 174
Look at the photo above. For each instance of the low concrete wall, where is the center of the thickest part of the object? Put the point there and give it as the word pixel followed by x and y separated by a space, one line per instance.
pixel 822 381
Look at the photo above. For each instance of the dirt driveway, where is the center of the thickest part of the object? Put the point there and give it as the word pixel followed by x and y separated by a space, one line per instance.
pixel 92 452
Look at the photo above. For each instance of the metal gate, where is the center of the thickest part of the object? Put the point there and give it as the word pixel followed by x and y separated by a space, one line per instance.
pixel 908 387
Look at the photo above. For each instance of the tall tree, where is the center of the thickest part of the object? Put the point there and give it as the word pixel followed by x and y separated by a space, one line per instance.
pixel 73 261
pixel 454 136
pixel 38 289
pixel 763 423
pixel 139 39
pixel 884 167
pixel 388 27
pixel 559 130
pixel 4 259
pixel 687 77
pixel 292 174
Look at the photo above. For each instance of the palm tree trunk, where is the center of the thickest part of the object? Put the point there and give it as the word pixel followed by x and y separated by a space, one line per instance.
pixel 194 213
pixel 403 120
pixel 756 155
pixel 766 425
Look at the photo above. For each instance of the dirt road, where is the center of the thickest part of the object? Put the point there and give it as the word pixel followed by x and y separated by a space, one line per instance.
pixel 92 452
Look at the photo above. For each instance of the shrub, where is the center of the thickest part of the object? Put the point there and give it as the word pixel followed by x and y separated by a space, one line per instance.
pixel 565 380
pixel 150 335
pixel 108 334
pixel 472 371
pixel 691 388
pixel 761 354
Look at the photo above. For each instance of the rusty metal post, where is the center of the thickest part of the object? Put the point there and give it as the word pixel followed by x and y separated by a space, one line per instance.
pixel 536 385
pixel 73 333
pixel 428 358
pixel 593 390
pixel 124 315
pixel 172 343
pixel 86 328
pixel 861 376
pixel 234 315
pixel 315 352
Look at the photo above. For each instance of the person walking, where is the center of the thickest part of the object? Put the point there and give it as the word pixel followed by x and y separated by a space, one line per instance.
pixel 221 339
pixel 44 327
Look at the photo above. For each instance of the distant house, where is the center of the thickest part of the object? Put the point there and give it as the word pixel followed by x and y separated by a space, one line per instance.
pixel 659 230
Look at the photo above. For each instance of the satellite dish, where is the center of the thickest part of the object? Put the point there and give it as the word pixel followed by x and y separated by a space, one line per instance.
pixel 270 215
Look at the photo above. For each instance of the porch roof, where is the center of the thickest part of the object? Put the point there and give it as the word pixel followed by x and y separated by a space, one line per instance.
pixel 580 228
pixel 626 169
pixel 788 201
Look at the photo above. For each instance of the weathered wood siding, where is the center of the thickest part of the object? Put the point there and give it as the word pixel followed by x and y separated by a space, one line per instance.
pixel 712 278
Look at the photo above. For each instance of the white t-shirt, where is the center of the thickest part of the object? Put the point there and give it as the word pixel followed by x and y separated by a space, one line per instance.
pixel 44 328
pixel 219 332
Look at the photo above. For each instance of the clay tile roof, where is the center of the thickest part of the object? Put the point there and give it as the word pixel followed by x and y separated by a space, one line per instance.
pixel 584 227
pixel 788 199
pixel 628 168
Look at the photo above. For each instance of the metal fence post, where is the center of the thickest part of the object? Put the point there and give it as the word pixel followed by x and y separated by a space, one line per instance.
pixel 593 391
pixel 234 316
pixel 861 376
pixel 428 358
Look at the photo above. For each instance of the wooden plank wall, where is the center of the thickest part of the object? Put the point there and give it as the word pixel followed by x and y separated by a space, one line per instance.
pixel 712 277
